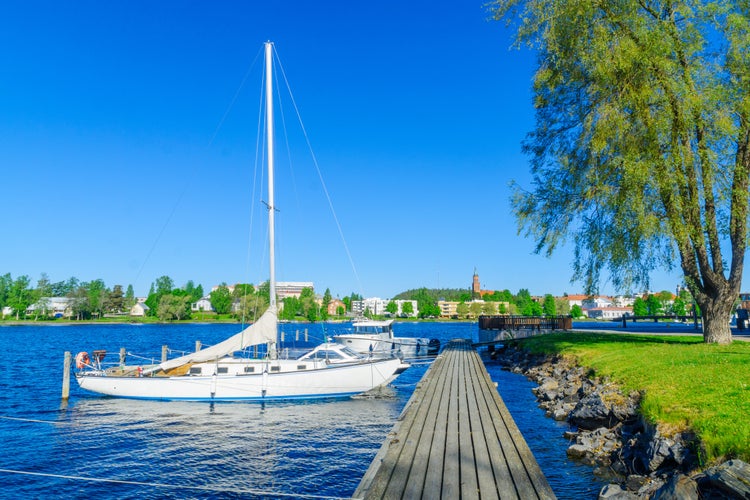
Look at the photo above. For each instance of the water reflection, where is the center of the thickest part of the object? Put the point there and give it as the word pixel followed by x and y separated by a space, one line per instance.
pixel 295 448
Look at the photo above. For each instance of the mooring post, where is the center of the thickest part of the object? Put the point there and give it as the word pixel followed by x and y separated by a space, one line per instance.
pixel 122 356
pixel 66 376
pixel 164 350
pixel 305 334
pixel 197 345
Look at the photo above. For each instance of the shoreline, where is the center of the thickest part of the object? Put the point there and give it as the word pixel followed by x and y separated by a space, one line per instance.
pixel 609 434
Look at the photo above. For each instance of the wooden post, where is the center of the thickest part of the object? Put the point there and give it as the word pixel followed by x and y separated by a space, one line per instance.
pixel 296 335
pixel 66 376
pixel 122 356
pixel 305 334
pixel 198 345
pixel 282 336
pixel 164 350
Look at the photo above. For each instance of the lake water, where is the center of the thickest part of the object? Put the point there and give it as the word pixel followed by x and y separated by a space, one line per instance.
pixel 100 447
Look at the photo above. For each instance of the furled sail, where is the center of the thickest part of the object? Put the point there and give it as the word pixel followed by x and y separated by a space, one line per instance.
pixel 260 332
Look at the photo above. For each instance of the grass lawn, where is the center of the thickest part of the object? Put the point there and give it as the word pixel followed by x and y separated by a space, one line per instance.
pixel 687 385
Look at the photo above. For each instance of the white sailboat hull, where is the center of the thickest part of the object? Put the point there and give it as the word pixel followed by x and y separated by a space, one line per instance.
pixel 319 382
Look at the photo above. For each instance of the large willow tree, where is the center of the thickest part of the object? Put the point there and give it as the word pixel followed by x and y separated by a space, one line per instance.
pixel 640 149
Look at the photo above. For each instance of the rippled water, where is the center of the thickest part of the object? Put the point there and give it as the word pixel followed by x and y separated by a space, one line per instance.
pixel 180 450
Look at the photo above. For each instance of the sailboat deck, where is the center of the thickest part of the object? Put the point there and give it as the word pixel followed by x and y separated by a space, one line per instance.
pixel 455 439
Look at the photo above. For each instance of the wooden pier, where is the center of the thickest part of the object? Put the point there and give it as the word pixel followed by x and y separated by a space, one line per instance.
pixel 455 439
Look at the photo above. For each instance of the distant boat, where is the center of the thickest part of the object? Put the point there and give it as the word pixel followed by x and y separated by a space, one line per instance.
pixel 218 374
pixel 377 338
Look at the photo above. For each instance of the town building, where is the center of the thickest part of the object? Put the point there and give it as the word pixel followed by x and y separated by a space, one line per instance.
pixel 139 309
pixel 334 305
pixel 476 288
pixel 377 306
pixel 286 289
pixel 57 307
pixel 204 304
pixel 609 313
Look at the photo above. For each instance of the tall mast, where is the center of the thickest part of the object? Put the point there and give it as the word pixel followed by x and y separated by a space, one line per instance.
pixel 271 205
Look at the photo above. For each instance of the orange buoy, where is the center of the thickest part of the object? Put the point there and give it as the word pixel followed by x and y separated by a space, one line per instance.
pixel 82 360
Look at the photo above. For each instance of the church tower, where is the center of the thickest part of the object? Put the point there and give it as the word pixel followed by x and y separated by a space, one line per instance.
pixel 475 288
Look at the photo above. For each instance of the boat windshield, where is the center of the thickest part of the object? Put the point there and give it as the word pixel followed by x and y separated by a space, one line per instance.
pixel 371 329
pixel 339 353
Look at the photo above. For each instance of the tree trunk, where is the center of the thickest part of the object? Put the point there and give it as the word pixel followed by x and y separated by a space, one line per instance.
pixel 717 312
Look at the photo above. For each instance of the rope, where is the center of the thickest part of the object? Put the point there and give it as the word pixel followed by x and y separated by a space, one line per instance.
pixel 33 420
pixel 162 485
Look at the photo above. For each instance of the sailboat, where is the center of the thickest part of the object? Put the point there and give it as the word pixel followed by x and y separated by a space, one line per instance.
pixel 216 373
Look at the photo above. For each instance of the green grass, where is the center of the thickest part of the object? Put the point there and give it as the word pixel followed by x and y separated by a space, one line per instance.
pixel 686 384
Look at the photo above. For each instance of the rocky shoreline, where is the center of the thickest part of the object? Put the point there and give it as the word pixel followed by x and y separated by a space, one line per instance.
pixel 608 433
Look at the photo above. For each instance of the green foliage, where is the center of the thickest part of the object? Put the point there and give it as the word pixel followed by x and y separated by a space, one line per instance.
pixel 426 303
pixel 115 300
pixel 475 309
pixel 640 308
pixel 391 307
pixel 174 307
pixel 407 308
pixel 221 299
pixel 639 153
pixel 549 308
pixel 292 308
pixel 686 384
pixel 678 307
pixel 462 310
pixel 576 311
pixel 435 294
pixel 20 296
pixel 655 306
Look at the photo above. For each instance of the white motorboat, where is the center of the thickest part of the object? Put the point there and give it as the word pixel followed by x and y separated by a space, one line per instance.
pixel 374 337
pixel 217 373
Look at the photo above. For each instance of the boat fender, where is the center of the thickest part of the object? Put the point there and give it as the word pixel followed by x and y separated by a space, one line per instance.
pixel 82 360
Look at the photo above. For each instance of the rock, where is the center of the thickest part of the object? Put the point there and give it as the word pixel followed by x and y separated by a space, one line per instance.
pixel 591 413
pixel 615 492
pixel 578 451
pixel 570 435
pixel 732 477
pixel 657 453
pixel 679 487
pixel 634 482
pixel 560 414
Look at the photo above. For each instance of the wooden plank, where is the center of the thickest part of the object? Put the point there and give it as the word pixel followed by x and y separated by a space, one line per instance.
pixel 487 444
pixel 433 485
pixel 451 486
pixel 469 485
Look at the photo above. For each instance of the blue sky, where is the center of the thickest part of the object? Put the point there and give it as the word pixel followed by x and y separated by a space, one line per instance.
pixel 127 145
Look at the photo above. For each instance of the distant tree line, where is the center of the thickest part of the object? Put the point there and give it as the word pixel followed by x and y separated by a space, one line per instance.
pixel 520 303
pixel 87 299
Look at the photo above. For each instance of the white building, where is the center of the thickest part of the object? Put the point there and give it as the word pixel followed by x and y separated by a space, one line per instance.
pixel 204 304
pixel 139 309
pixel 609 313
pixel 57 307
pixel 377 306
